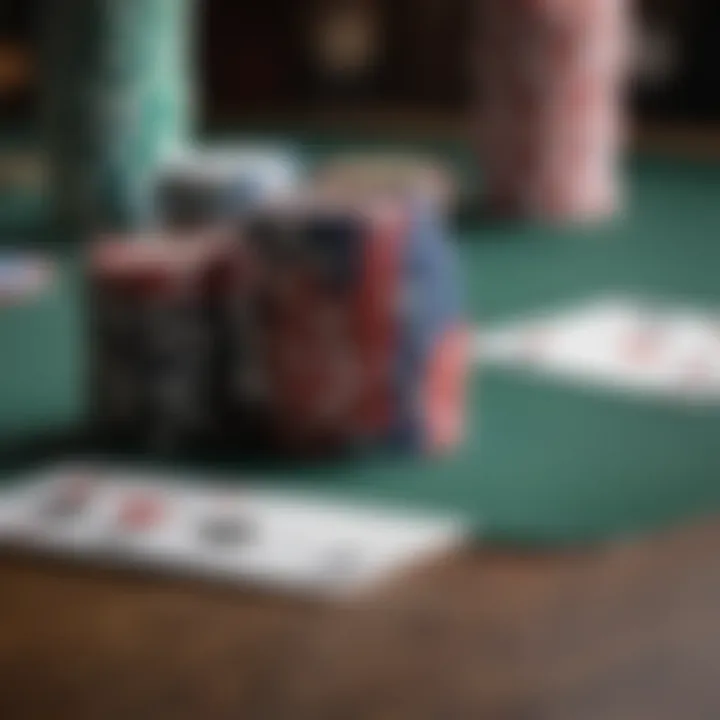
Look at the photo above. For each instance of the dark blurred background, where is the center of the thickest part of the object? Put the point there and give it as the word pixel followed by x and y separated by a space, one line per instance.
pixel 275 57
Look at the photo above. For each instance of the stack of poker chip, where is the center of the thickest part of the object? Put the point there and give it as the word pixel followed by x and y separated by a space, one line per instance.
pixel 320 325
pixel 202 186
pixel 117 101
pixel 151 344
pixel 361 336
pixel 550 126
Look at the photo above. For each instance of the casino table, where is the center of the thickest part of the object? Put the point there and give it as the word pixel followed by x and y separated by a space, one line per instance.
pixel 545 462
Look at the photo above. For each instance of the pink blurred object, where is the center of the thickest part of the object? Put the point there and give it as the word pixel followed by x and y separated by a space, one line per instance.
pixel 552 123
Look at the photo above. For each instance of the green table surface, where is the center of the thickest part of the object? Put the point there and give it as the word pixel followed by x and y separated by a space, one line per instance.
pixel 545 461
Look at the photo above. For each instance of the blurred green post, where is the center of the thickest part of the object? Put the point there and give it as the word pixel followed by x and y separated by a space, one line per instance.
pixel 117 100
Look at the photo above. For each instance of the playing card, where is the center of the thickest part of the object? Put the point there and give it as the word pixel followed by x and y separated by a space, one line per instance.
pixel 226 532
pixel 624 343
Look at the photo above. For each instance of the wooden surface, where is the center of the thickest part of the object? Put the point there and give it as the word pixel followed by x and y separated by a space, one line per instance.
pixel 630 631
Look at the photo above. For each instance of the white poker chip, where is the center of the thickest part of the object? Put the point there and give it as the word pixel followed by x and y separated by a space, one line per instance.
pixel 271 170
pixel 389 174
pixel 205 186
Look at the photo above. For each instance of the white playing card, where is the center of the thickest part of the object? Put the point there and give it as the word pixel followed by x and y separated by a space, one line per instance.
pixel 617 342
pixel 232 533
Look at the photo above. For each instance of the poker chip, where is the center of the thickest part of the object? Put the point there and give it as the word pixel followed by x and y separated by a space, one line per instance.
pixel 119 101
pixel 551 125
pixel 389 174
pixel 152 345
pixel 206 186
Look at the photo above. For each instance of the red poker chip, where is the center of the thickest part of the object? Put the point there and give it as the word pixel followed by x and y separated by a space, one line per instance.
pixel 562 77
pixel 155 264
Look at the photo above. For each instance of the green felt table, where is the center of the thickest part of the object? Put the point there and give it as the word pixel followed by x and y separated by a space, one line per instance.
pixel 545 462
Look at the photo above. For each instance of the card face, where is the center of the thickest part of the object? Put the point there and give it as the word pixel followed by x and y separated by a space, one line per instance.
pixel 618 343
pixel 234 533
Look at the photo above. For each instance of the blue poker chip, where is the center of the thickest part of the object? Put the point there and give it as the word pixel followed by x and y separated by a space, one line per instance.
pixel 204 186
